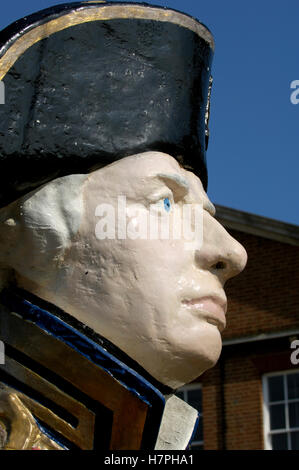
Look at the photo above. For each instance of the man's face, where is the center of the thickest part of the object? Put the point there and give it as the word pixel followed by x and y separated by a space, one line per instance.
pixel 159 300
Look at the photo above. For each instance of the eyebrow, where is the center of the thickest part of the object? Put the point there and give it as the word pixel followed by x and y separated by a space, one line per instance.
pixel 181 185
pixel 175 182
pixel 209 207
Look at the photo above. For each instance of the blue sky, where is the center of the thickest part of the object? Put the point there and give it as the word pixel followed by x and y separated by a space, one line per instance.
pixel 254 146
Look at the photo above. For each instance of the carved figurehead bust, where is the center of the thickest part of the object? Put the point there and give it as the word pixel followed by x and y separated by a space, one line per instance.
pixel 102 140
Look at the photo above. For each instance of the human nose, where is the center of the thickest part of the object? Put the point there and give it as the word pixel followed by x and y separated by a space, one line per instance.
pixel 220 253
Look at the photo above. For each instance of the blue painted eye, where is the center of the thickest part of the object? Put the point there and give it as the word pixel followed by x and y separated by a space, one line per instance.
pixel 167 204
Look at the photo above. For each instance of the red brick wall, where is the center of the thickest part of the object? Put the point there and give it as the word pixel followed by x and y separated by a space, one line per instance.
pixel 265 297
pixel 243 405
pixel 233 395
pixel 212 409
pixel 232 405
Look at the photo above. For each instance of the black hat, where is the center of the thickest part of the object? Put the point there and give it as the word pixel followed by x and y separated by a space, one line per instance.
pixel 88 83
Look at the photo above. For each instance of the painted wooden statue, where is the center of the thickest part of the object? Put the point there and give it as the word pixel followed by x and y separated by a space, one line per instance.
pixel 112 265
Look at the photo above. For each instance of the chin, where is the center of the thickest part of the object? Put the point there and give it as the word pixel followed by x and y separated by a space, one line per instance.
pixel 180 363
pixel 210 350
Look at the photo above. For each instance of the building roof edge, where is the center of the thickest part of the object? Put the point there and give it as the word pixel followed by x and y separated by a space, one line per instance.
pixel 257 225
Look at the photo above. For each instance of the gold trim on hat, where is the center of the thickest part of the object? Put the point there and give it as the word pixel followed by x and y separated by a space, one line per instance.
pixel 103 13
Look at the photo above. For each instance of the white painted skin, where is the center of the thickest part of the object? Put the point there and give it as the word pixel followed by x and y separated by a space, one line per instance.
pixel 161 304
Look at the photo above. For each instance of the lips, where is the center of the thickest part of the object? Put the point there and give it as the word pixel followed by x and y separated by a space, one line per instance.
pixel 213 309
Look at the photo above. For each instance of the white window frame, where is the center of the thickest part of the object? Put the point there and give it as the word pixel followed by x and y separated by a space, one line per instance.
pixel 185 389
pixel 267 432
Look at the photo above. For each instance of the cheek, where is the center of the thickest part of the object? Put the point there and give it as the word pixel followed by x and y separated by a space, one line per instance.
pixel 129 281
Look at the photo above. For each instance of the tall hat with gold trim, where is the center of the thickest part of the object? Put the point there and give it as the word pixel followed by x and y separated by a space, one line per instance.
pixel 88 83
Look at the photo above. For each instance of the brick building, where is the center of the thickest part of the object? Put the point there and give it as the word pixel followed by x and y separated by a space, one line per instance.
pixel 250 399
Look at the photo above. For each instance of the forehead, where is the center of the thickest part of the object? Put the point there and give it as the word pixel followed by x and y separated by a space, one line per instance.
pixel 141 172
pixel 148 166
pixel 145 164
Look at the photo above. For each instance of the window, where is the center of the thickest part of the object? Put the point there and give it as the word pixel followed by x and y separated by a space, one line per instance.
pixel 192 394
pixel 281 410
